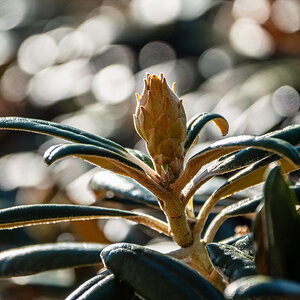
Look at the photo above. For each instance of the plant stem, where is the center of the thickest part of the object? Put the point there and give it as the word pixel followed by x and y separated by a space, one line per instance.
pixel 178 222
pixel 199 260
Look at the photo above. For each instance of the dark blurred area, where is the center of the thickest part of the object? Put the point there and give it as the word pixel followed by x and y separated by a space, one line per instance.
pixel 81 62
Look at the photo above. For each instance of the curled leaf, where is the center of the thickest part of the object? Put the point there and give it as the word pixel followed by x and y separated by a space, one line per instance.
pixel 195 125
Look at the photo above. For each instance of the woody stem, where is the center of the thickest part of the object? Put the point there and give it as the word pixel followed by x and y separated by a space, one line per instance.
pixel 178 222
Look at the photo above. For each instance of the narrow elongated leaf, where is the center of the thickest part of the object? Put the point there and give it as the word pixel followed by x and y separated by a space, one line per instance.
pixel 28 215
pixel 128 191
pixel 251 175
pixel 141 156
pixel 230 262
pixel 87 284
pixel 58 130
pixel 245 157
pixel 239 208
pixel 155 276
pixel 123 187
pixel 246 244
pixel 106 287
pixel 39 258
pixel 262 286
pixel 96 155
pixel 229 145
pixel 282 227
pixel 195 125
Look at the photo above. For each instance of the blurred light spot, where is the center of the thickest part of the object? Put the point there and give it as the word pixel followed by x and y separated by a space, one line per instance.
pixel 60 32
pixel 60 278
pixel 113 84
pixel 213 61
pixel 116 230
pixel 155 53
pixel 78 190
pixel 36 53
pixel 23 169
pixel 114 54
pixel 258 10
pixel 13 13
pixel 250 39
pixel 286 15
pixel 14 83
pixel 103 28
pixel 155 12
pixel 286 101
pixel 7 46
pixel 65 237
pixel 191 9
pixel 60 82
pixel 76 44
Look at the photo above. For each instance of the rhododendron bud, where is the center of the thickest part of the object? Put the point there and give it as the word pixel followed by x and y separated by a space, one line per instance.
pixel 161 121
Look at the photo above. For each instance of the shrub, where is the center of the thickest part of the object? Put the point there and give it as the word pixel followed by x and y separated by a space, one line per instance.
pixel 200 268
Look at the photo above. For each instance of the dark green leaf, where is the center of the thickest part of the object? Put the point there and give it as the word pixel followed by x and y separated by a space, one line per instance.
pixel 87 284
pixel 230 262
pixel 28 215
pixel 282 227
pixel 245 157
pixel 251 175
pixel 39 258
pixel 128 191
pixel 58 130
pixel 239 208
pixel 296 190
pixel 262 286
pixel 141 156
pixel 105 287
pixel 242 207
pixel 195 125
pixel 155 276
pixel 123 187
pixel 245 244
pixel 88 152
pixel 231 144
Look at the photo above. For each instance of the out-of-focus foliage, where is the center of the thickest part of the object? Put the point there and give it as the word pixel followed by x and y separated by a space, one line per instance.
pixel 80 63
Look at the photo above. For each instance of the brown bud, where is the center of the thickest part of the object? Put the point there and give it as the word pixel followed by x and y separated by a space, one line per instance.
pixel 161 121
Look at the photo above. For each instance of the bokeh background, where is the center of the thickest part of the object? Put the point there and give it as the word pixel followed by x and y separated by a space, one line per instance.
pixel 81 62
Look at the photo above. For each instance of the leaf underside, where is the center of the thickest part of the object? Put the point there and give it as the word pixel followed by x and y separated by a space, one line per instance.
pixel 156 276
pixel 39 258
pixel 230 262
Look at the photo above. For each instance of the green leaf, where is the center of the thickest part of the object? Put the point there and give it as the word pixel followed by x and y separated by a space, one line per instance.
pixel 124 188
pixel 58 130
pixel 296 190
pixel 28 215
pixel 239 208
pixel 39 258
pixel 282 227
pixel 104 286
pixel 128 191
pixel 245 157
pixel 230 262
pixel 232 144
pixel 242 207
pixel 87 284
pixel 96 155
pixel 262 286
pixel 245 244
pixel 155 276
pixel 229 145
pixel 195 125
pixel 141 156
pixel 251 175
